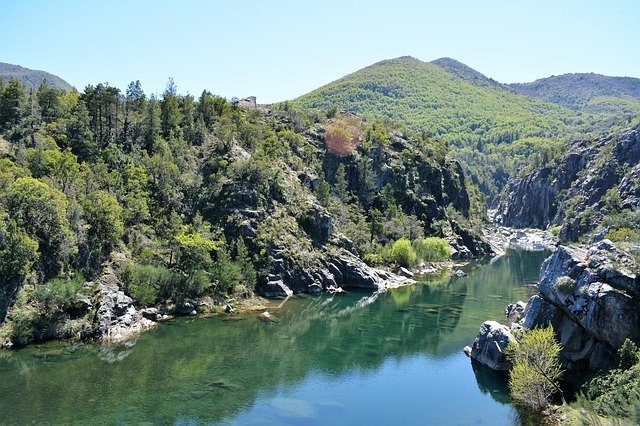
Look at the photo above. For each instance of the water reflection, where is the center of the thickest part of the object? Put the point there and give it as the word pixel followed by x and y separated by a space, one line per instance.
pixel 211 369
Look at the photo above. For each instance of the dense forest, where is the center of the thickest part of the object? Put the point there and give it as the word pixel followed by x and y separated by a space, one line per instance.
pixel 494 131
pixel 188 197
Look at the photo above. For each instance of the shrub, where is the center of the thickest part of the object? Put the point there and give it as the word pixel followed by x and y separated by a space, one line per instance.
pixel 628 355
pixel 565 285
pixel 403 253
pixel 432 249
pixel 555 231
pixel 623 234
pixel 536 368
pixel 145 282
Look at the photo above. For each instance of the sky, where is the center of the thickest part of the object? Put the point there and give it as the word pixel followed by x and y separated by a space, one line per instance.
pixel 279 50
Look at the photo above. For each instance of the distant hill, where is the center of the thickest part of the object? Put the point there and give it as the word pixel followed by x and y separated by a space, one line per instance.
pixel 590 92
pixel 495 129
pixel 31 78
pixel 445 98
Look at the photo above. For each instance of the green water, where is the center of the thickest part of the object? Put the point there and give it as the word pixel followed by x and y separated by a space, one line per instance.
pixel 356 358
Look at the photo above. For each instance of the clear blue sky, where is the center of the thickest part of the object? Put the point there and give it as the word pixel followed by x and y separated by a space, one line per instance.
pixel 281 49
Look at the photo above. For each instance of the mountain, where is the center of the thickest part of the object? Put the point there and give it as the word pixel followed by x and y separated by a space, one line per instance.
pixel 494 130
pixel 444 98
pixel 31 78
pixel 586 92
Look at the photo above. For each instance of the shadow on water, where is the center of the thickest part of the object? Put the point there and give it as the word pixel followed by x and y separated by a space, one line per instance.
pixel 211 369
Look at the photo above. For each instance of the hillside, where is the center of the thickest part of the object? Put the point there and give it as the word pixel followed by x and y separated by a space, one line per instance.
pixel 31 78
pixel 593 93
pixel 134 201
pixel 593 187
pixel 494 130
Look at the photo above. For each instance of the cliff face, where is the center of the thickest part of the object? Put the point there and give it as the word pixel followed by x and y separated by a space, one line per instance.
pixel 590 300
pixel 573 191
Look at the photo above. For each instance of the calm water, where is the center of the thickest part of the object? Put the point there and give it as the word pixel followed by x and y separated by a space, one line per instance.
pixel 394 358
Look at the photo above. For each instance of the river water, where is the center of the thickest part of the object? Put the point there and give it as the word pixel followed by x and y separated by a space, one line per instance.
pixel 354 358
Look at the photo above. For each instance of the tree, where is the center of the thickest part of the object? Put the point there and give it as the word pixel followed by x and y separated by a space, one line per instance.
pixel 12 98
pixel 403 253
pixel 104 215
pixel 170 111
pixel 18 251
pixel 42 212
pixel 536 368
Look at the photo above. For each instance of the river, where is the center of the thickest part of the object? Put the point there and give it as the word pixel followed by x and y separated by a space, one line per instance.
pixel 354 358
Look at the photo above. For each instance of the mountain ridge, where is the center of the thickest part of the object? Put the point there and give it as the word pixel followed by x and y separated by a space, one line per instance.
pixel 32 78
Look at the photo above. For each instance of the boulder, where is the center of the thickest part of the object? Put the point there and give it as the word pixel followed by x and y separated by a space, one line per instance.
pixel 515 311
pixel 490 344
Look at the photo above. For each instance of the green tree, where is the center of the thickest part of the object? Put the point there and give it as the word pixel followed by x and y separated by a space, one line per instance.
pixel 42 211
pixel 18 251
pixel 12 98
pixel 536 368
pixel 104 216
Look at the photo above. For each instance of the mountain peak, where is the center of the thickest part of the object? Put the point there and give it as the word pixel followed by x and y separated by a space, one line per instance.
pixel 464 72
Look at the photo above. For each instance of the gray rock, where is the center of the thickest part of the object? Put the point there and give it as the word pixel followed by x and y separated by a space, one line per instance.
pixel 275 289
pixel 150 314
pixel 515 311
pixel 594 316
pixel 459 273
pixel 490 344
pixel 404 272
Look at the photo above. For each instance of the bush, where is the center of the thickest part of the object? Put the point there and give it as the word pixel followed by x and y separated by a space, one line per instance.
pixel 623 234
pixel 555 231
pixel 536 368
pixel 144 283
pixel 403 253
pixel 432 249
pixel 565 285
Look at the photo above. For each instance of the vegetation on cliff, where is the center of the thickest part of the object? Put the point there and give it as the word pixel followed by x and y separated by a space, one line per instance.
pixel 189 197
pixel 495 131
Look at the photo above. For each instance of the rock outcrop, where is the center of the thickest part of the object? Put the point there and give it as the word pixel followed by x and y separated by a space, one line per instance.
pixel 490 344
pixel 115 316
pixel 591 298
pixel 570 192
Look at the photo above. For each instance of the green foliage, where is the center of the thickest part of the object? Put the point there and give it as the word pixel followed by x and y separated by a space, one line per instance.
pixel 494 131
pixel 40 316
pixel 628 355
pixel 565 285
pixel 146 282
pixel 623 234
pixel 104 215
pixel 17 253
pixel 42 212
pixel 432 249
pixel 403 254
pixel 555 231
pixel 536 368
pixel 616 394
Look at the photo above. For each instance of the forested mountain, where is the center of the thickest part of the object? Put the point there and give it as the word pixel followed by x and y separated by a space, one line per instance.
pixel 31 78
pixel 113 201
pixel 591 93
pixel 494 130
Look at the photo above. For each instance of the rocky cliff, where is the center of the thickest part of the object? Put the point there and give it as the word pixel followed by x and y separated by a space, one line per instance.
pixel 575 191
pixel 590 297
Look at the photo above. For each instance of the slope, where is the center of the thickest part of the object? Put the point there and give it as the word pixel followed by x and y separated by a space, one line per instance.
pixel 31 78
pixel 494 130
pixel 592 93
